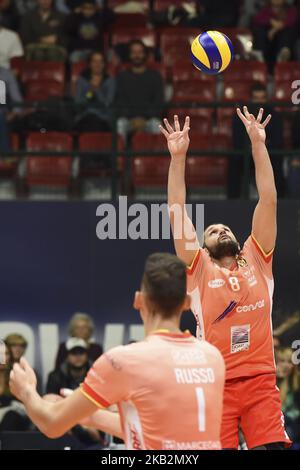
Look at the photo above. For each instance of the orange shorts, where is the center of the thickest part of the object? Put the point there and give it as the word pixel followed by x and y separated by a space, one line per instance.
pixel 254 405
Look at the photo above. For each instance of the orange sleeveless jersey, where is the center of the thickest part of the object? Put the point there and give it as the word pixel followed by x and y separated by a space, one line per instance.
pixel 169 391
pixel 233 309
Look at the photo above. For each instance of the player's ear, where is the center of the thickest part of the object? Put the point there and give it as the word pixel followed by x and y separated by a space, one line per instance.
pixel 137 302
pixel 186 303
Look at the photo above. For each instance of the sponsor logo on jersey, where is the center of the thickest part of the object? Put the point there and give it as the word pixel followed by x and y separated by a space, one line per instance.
pixel 227 310
pixel 251 307
pixel 242 262
pixel 182 358
pixel 240 338
pixel 215 283
pixel 193 445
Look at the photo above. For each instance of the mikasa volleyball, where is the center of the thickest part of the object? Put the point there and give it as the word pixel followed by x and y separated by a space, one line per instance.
pixel 212 52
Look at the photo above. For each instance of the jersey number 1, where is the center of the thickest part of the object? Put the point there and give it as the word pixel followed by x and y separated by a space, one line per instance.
pixel 201 408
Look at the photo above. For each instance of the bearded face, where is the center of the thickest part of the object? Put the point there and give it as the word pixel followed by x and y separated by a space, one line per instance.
pixel 220 242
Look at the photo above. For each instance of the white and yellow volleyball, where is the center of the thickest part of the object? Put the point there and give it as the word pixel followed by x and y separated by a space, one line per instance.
pixel 212 52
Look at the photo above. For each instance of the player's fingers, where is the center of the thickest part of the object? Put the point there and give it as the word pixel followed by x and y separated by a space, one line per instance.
pixel 24 364
pixel 163 131
pixel 246 112
pixel 260 115
pixel 186 131
pixel 242 117
pixel 186 123
pixel 267 120
pixel 176 123
pixel 168 126
pixel 252 118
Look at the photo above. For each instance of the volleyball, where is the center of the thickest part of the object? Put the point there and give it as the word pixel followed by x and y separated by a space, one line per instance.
pixel 212 52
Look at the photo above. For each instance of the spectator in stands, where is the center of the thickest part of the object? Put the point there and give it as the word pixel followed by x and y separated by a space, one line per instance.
pixel 9 116
pixel 73 370
pixel 275 141
pixel 9 15
pixel 139 94
pixel 24 6
pixel 42 29
pixel 177 13
pixel 275 30
pixel 216 13
pixel 293 180
pixel 249 9
pixel 10 46
pixel 85 29
pixel 81 326
pixel 73 6
pixel 12 413
pixel 95 90
pixel 288 381
pixel 17 345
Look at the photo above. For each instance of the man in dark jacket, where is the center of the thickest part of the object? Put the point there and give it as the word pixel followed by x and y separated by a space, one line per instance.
pixel 43 25
pixel 73 371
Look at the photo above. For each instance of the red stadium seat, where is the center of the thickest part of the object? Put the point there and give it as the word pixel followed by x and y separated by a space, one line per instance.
pixel 194 91
pixel 41 91
pixel 238 91
pixel 149 171
pixel 146 35
pixel 49 171
pixel 206 171
pixel 206 113
pixel 43 71
pixel 224 121
pixel 16 64
pixel 161 5
pixel 175 44
pixel 184 71
pixel 246 71
pixel 131 20
pixel 101 141
pixel 287 72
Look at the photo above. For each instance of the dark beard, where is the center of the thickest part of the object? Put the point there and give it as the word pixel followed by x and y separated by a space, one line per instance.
pixel 226 248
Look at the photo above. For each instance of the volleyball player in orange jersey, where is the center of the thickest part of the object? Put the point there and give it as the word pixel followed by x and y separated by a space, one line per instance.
pixel 231 290
pixel 169 387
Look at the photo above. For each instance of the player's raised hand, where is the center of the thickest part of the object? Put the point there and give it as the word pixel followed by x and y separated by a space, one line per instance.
pixel 255 127
pixel 178 140
pixel 21 378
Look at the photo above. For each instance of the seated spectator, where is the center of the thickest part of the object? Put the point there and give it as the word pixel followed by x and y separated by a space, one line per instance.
pixel 85 30
pixel 9 15
pixel 73 370
pixel 288 382
pixel 139 94
pixel 42 32
pixel 12 413
pixel 81 326
pixel 10 46
pixel 95 91
pixel 241 141
pixel 275 30
pixel 9 116
pixel 70 375
pixel 249 9
pixel 184 14
pixel 215 13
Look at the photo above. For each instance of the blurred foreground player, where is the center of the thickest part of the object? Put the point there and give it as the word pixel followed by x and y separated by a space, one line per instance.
pixel 169 387
pixel 231 290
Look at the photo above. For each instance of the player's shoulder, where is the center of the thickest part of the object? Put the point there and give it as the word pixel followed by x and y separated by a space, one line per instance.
pixel 211 351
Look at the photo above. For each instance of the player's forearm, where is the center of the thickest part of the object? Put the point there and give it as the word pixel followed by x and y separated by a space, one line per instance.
pixel 176 182
pixel 264 174
pixel 39 411
pixel 106 421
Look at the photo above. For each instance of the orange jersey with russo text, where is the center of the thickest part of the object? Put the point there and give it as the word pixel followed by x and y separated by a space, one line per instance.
pixel 169 391
pixel 233 309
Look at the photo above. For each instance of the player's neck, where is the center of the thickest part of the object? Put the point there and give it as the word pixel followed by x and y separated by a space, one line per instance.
pixel 228 262
pixel 157 323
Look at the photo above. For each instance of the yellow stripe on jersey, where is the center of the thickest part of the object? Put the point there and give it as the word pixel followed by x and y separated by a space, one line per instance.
pixel 91 399
pixel 266 255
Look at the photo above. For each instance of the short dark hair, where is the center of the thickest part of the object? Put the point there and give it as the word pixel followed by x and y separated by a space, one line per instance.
pixel 258 86
pixel 164 282
pixel 138 42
